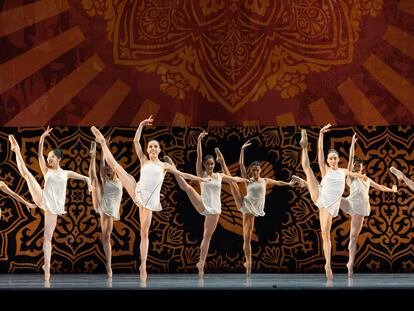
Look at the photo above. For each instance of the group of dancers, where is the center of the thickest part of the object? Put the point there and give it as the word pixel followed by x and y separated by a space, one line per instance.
pixel 107 191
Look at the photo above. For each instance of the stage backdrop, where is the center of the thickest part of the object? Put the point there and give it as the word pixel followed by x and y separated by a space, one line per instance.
pixel 286 239
pixel 200 62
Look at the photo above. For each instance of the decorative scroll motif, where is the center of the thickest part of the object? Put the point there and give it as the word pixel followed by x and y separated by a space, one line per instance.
pixel 233 51
pixel 287 239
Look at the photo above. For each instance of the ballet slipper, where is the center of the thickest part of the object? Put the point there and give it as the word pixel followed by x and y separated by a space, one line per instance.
pixel 143 273
pixel 200 268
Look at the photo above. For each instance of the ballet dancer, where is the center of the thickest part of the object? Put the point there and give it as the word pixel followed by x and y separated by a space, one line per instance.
pixel 106 198
pixel 52 197
pixel 252 205
pixel 208 203
pixel 327 195
pixel 145 193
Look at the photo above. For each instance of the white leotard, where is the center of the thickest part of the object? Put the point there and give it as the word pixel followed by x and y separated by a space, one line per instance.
pixel 330 191
pixel 358 200
pixel 211 196
pixel 254 201
pixel 148 188
pixel 111 198
pixel 54 192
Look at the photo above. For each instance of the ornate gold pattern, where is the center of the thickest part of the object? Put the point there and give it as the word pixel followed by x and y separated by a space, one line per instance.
pixel 233 51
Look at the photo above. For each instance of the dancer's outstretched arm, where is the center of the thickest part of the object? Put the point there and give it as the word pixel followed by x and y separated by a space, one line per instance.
pixel 241 160
pixel 42 161
pixel 141 155
pixel 199 163
pixel 74 175
pixel 352 152
pixel 229 179
pixel 354 175
pixel 14 195
pixel 321 156
pixel 272 182
pixel 382 187
pixel 171 169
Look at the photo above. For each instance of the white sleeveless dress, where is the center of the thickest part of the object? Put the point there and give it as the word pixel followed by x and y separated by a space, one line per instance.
pixel 111 198
pixel 254 201
pixel 148 188
pixel 358 199
pixel 54 191
pixel 330 191
pixel 211 196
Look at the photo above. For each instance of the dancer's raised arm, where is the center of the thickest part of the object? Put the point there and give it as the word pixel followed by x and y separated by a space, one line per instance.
pixel 102 165
pixel 321 156
pixel 241 160
pixel 42 161
pixel 147 122
pixel 199 163
pixel 229 179
pixel 352 152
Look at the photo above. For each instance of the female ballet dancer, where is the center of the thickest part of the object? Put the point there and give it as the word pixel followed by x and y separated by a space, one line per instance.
pixel 208 203
pixel 106 198
pixel 14 195
pixel 145 193
pixel 52 197
pixel 400 176
pixel 327 195
pixel 357 203
pixel 253 204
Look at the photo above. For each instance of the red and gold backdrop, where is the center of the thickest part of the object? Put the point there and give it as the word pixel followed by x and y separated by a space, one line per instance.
pixel 286 239
pixel 220 62
pixel 241 68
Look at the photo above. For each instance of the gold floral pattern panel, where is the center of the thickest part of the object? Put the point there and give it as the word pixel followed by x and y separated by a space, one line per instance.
pixel 233 51
pixel 286 239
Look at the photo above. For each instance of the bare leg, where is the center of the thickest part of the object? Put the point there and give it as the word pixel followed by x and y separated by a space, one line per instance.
pixel 356 226
pixel 127 180
pixel 145 216
pixel 311 180
pixel 234 187
pixel 97 192
pixel 193 195
pixel 107 225
pixel 210 224
pixel 50 225
pixel 34 187
pixel 248 226
pixel 326 223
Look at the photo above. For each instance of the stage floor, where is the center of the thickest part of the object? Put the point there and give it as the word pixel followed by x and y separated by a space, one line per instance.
pixel 189 282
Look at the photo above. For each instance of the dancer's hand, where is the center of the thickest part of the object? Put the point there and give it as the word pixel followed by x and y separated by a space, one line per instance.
pixel 108 140
pixel 394 188
pixel 147 122
pixel 246 144
pixel 92 150
pixel 326 128
pixel 202 135
pixel 354 138
pixel 46 133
